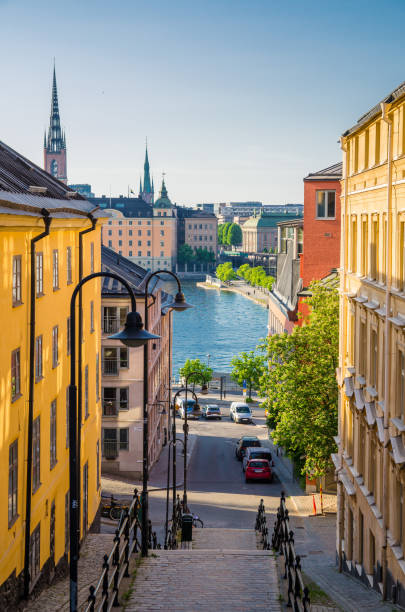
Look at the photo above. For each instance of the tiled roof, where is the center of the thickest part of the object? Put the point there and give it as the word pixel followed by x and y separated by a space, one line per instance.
pixel 331 172
pixel 129 207
pixel 269 219
pixel 376 110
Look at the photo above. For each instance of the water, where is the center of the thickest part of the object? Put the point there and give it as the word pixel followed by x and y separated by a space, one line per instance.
pixel 221 324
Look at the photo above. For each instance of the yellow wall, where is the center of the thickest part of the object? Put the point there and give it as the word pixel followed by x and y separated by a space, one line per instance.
pixel 51 309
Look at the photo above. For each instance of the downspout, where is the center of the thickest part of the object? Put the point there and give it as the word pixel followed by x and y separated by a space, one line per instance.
pixel 80 353
pixel 385 107
pixel 342 352
pixel 47 221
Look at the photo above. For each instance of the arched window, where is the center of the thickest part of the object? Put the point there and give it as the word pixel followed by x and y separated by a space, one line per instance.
pixel 54 168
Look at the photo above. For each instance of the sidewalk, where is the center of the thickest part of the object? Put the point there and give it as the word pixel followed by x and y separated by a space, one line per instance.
pixel 315 542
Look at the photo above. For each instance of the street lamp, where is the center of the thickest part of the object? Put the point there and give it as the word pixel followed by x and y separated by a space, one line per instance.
pixel 179 303
pixel 133 335
pixel 185 428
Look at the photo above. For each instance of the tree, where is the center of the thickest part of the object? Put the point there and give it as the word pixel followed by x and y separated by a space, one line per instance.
pixel 185 254
pixel 256 276
pixel 225 272
pixel 300 385
pixel 234 234
pixel 203 373
pixel 223 234
pixel 220 233
pixel 248 366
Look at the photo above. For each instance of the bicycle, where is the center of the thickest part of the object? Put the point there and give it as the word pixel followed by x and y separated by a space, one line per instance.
pixel 113 510
pixel 197 522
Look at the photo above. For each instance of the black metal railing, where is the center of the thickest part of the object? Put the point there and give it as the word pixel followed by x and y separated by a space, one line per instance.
pixel 282 541
pixel 115 566
pixel 110 449
pixel 112 325
pixel 111 366
pixel 174 526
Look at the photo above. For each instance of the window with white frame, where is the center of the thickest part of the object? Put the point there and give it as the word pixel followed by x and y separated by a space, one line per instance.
pixel 325 204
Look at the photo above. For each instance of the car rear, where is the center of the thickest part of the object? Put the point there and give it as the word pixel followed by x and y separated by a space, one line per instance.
pixel 258 469
pixel 212 412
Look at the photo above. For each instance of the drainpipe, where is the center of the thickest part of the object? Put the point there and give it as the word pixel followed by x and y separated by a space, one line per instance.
pixel 80 353
pixel 385 107
pixel 342 353
pixel 47 221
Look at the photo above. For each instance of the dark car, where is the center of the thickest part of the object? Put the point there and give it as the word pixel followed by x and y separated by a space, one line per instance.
pixel 243 443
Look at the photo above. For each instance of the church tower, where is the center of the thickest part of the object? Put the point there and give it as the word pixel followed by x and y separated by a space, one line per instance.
pixel 55 143
pixel 147 192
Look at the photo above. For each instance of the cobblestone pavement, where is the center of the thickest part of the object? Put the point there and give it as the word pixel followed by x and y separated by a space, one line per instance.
pixel 56 597
pixel 207 578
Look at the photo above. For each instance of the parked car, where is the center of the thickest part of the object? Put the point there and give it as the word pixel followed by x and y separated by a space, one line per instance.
pixel 240 413
pixel 243 443
pixel 211 411
pixel 258 469
pixel 193 409
pixel 252 452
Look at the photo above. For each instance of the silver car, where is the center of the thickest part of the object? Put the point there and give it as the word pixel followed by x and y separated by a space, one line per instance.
pixel 252 452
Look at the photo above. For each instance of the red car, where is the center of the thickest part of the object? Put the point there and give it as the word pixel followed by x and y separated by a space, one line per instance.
pixel 258 469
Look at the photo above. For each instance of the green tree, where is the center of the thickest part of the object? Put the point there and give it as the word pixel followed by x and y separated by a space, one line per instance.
pixel 203 373
pixel 220 232
pixel 250 367
pixel 225 272
pixel 185 254
pixel 300 385
pixel 224 235
pixel 234 234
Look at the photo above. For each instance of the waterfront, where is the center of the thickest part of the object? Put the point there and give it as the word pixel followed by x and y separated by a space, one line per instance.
pixel 221 324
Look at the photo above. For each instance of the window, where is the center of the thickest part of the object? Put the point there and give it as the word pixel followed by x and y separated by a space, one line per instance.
pixel 97 377
pixel 401 384
pixel 114 358
pixel 162 223
pixel 148 232
pixel 363 348
pixel 190 226
pixel 36 454
pixel 325 204
pixel 85 503
pixel 162 243
pixel 148 223
pixel 354 246
pixel 374 358
pixel 92 257
pixel 15 375
pixel 55 269
pixel 68 336
pixel 200 225
pixel 139 232
pixel 67 521
pixel 162 254
pixel 119 242
pixel 130 254
pixel 67 417
pixel 38 358
pixel 119 232
pixel 124 438
pixel 130 242
pixel 53 435
pixel 139 242
pixel 364 247
pixel 110 243
pixel 110 232
pixel 17 280
pixel 35 545
pixel 39 274
pixel 162 232
pixel 86 391
pixel 374 250
pixel 98 463
pixel 91 317
pixel 139 222
pixel 114 400
pixel 69 265
pixel 55 346
pixel 114 318
pixel 119 222
pixel 12 482
pixel 130 232
pixel 139 253
pixel 148 254
pixel 148 243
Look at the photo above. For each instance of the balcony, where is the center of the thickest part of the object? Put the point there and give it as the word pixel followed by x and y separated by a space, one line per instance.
pixel 110 449
pixel 111 408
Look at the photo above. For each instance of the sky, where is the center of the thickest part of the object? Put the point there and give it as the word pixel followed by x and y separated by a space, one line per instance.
pixel 239 99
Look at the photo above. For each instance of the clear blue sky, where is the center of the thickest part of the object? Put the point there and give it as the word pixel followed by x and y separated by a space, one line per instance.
pixel 239 99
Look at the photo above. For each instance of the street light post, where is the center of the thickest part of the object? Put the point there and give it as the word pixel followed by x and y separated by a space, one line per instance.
pixel 133 335
pixel 185 429
pixel 179 303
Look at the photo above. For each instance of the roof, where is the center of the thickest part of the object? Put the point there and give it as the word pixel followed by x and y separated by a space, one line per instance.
pixel 291 223
pixel 18 179
pixel 333 172
pixel 135 275
pixel 130 207
pixel 268 220
pixel 330 281
pixel 186 213
pixel 397 93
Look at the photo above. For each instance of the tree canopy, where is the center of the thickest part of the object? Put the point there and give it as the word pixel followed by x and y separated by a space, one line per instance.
pixel 248 366
pixel 185 254
pixel 225 272
pixel 300 385
pixel 203 373
pixel 234 234
pixel 223 232
pixel 256 276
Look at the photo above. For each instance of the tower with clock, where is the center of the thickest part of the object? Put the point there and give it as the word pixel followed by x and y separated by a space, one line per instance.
pixel 55 141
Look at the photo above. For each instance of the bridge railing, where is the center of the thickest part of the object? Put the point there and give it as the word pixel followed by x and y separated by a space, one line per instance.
pixel 282 540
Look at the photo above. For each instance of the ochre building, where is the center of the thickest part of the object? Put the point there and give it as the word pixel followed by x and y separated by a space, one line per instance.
pixel 371 452
pixel 34 372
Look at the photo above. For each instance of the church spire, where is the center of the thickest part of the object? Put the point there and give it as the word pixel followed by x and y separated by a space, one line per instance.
pixel 55 141
pixel 147 191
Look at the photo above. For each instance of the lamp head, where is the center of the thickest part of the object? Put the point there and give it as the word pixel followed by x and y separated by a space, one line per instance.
pixel 179 303
pixel 133 333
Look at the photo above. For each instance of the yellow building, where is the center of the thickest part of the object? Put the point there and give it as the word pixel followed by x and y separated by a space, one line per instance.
pixel 30 201
pixel 371 455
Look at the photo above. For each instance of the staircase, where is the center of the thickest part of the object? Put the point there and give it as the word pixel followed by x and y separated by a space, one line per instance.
pixel 223 571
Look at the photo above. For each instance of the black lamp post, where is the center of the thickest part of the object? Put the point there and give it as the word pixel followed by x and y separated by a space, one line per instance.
pixel 179 303
pixel 185 429
pixel 133 335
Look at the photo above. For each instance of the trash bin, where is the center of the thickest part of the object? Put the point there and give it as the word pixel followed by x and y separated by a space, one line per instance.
pixel 186 527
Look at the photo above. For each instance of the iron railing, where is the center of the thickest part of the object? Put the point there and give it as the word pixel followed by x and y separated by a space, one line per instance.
pixel 104 595
pixel 175 526
pixel 282 541
pixel 113 407
pixel 111 366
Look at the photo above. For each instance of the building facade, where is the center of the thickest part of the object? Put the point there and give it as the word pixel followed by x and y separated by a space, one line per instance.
pixel 260 233
pixel 201 231
pixel 371 452
pixel 55 141
pixel 34 376
pixel 123 372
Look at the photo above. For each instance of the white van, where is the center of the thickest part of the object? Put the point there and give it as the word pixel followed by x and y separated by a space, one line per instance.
pixel 241 413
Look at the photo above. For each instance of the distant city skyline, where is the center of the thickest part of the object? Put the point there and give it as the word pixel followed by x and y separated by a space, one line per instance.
pixel 238 101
